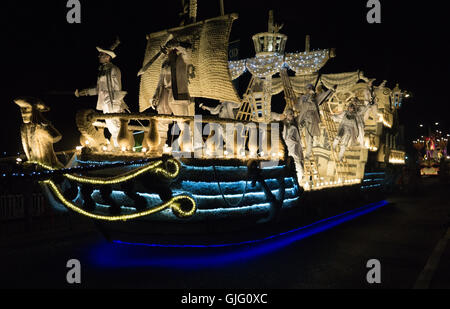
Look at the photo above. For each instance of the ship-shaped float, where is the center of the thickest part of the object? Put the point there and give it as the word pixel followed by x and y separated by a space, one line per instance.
pixel 164 188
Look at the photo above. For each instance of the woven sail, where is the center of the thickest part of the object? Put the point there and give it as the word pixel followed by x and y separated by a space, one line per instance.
pixel 207 67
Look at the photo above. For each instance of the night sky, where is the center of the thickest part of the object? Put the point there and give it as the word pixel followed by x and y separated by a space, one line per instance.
pixel 43 54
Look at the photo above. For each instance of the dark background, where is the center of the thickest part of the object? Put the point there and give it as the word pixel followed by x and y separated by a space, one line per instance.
pixel 42 53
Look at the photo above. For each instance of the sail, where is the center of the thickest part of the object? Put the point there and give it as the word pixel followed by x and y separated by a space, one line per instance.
pixel 207 67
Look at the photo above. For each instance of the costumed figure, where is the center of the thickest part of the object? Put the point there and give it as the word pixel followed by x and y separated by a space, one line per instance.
pixel 351 128
pixel 430 147
pixel 292 138
pixel 108 90
pixel 433 147
pixel 308 114
pixel 172 94
pixel 427 148
pixel 38 134
pixel 225 110
pixel 444 147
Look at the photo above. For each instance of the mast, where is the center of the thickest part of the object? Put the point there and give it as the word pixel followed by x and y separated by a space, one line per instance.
pixel 270 22
pixel 222 11
pixel 193 10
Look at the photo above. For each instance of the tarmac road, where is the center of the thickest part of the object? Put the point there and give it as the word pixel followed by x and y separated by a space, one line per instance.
pixel 410 238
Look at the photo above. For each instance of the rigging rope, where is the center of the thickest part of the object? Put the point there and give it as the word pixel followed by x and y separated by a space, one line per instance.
pixel 223 195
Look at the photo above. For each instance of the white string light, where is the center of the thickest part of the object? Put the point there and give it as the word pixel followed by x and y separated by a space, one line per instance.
pixel 265 65
pixel 237 68
pixel 307 62
pixel 268 65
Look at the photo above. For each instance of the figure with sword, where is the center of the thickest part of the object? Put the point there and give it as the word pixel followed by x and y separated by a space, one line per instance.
pixel 108 90
pixel 308 114
pixel 351 127
pixel 172 94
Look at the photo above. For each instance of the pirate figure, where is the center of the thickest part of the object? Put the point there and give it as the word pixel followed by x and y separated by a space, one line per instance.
pixel 291 136
pixel 308 114
pixel 38 134
pixel 351 127
pixel 108 90
pixel 172 93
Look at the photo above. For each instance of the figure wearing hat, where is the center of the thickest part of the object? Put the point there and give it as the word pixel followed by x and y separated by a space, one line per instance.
pixel 37 133
pixel 351 128
pixel 172 93
pixel 308 114
pixel 108 90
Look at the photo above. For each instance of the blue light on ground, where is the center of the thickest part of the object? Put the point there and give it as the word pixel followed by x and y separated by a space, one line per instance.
pixel 122 254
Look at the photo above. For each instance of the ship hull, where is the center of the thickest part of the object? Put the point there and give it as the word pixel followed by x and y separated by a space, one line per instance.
pixel 236 201
pixel 311 207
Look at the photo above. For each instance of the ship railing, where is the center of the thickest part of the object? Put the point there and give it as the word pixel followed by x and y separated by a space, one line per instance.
pixel 193 136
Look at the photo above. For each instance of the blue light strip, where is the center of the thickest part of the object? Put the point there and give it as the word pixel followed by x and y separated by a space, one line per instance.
pixel 371 179
pixel 248 194
pixel 120 194
pixel 255 207
pixel 298 233
pixel 241 182
pixel 225 167
pixel 371 186
pixel 106 163
pixel 124 255
pixel 370 174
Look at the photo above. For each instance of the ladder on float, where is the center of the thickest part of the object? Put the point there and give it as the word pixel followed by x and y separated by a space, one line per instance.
pixel 310 168
pixel 289 94
pixel 311 171
pixel 245 112
pixel 342 169
pixel 256 101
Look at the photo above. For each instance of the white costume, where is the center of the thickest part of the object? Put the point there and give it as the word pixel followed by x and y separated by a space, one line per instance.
pixel 307 108
pixel 109 91
pixel 351 128
pixel 225 110
pixel 292 138
pixel 165 100
pixel 110 96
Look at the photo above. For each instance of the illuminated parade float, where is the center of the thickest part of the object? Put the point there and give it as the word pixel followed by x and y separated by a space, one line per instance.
pixel 432 152
pixel 168 175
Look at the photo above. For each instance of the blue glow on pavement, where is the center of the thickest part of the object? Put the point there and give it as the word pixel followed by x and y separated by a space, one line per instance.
pixel 125 254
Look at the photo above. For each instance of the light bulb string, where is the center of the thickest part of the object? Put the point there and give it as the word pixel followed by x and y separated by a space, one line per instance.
pixel 173 203
pixel 152 167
